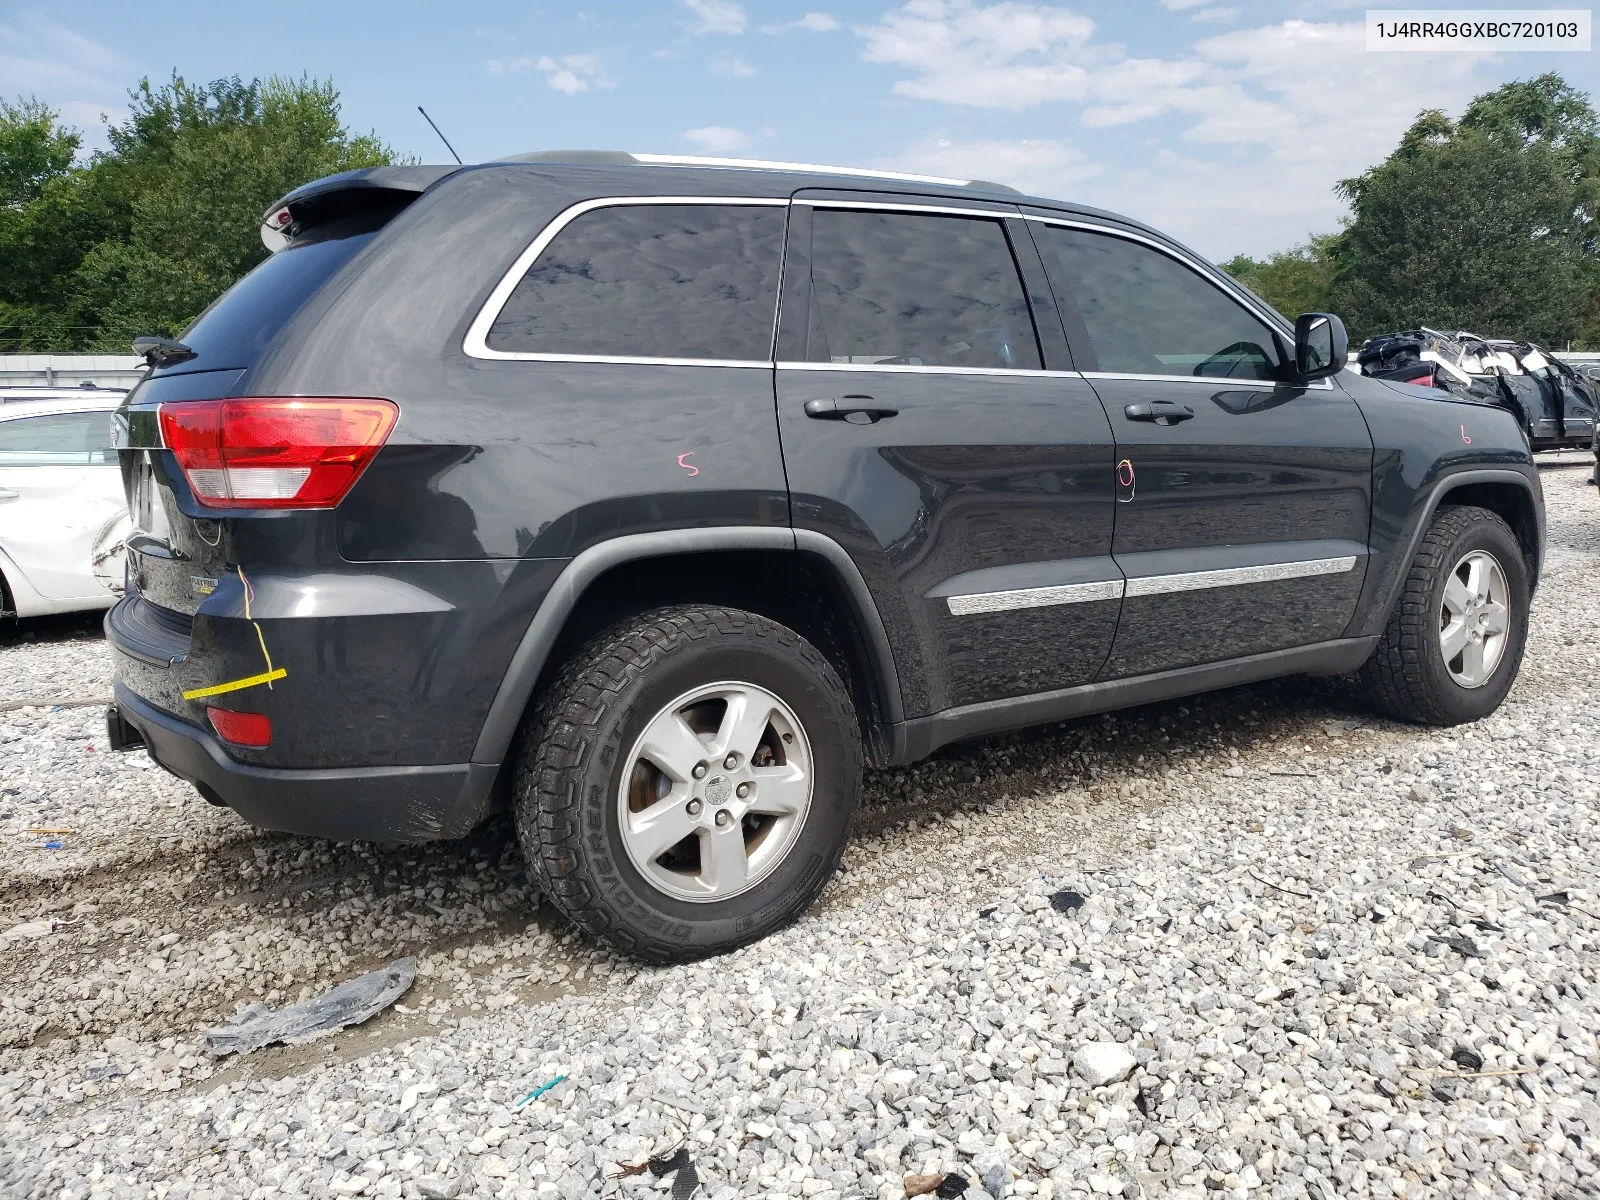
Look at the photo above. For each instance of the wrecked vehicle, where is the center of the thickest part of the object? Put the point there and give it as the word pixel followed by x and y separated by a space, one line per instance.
pixel 1554 403
pixel 647 498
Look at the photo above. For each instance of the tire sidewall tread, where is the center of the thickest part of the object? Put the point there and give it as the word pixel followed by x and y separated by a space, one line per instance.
pixel 566 776
pixel 1406 677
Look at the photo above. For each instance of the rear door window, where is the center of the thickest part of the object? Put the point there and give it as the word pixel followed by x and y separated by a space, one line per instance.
pixel 674 281
pixel 1145 313
pixel 56 440
pixel 915 289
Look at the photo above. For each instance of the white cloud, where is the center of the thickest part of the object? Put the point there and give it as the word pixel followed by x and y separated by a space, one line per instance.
pixel 1007 55
pixel 732 68
pixel 1218 14
pixel 812 22
pixel 1269 118
pixel 80 78
pixel 1037 165
pixel 1180 5
pixel 569 73
pixel 716 16
pixel 719 139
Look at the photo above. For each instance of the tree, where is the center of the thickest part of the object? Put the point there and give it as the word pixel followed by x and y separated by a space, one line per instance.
pixel 1486 223
pixel 1293 281
pixel 141 238
pixel 33 151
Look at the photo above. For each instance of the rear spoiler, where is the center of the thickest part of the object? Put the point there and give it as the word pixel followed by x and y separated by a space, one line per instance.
pixel 342 194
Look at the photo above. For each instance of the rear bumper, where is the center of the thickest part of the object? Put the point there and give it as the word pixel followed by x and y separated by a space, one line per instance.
pixel 381 804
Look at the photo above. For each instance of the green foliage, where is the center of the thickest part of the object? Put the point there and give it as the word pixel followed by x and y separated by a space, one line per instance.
pixel 1489 223
pixel 33 151
pixel 142 237
pixel 1294 281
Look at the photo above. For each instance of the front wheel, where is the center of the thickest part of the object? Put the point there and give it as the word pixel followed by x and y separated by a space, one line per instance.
pixel 1454 642
pixel 688 783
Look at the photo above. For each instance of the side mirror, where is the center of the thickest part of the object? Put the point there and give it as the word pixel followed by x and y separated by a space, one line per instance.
pixel 1321 346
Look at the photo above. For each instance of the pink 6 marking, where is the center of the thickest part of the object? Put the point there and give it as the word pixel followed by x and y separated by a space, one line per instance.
pixel 1464 436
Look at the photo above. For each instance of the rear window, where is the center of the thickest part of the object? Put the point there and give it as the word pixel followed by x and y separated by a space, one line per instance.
pixel 243 320
pixel 694 281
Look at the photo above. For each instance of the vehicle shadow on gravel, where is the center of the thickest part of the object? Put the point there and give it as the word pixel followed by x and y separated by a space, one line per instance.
pixel 276 917
pixel 63 627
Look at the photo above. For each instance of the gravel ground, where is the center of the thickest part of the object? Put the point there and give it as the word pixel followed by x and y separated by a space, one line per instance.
pixel 1256 944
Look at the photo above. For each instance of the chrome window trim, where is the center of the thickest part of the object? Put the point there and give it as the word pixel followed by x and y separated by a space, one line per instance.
pixel 992 214
pixel 1038 597
pixel 912 369
pixel 1145 585
pixel 476 343
pixel 1192 581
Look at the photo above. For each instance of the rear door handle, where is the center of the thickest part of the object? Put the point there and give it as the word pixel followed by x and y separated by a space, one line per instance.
pixel 858 410
pixel 8 494
pixel 1162 412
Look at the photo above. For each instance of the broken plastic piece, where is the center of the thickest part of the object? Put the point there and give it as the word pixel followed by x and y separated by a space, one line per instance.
pixel 688 1178
pixel 1067 901
pixel 1466 1059
pixel 348 1004
pixel 535 1094
pixel 951 1186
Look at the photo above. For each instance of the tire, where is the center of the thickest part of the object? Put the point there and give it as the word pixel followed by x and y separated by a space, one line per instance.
pixel 587 775
pixel 1408 676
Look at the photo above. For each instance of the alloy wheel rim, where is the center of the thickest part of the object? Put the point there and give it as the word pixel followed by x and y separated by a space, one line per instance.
pixel 715 791
pixel 1474 619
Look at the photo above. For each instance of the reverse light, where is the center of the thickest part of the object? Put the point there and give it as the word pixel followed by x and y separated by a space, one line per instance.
pixel 241 728
pixel 275 452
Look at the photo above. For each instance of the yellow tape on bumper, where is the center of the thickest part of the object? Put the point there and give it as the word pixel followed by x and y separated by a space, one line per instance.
pixel 236 686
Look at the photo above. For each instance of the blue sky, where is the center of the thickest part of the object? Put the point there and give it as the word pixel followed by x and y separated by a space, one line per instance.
pixel 1225 123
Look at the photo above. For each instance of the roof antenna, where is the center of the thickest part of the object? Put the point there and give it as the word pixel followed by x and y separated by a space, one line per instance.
pixel 442 137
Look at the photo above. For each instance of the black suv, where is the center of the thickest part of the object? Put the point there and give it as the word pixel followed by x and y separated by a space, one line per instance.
pixel 651 497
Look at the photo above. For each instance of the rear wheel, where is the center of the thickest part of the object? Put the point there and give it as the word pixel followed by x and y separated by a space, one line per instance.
pixel 687 785
pixel 1454 643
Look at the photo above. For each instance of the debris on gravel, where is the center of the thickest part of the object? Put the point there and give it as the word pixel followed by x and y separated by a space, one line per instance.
pixel 1255 944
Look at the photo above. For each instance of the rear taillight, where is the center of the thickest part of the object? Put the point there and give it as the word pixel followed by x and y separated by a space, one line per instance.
pixel 275 452
pixel 241 728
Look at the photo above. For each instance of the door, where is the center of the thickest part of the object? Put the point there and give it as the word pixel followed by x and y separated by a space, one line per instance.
pixel 60 490
pixel 1243 500
pixel 920 430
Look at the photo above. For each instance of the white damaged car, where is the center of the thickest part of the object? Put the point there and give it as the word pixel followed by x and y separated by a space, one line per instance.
pixel 63 515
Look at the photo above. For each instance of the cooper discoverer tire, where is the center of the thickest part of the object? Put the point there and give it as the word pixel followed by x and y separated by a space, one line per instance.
pixel 711 723
pixel 1466 593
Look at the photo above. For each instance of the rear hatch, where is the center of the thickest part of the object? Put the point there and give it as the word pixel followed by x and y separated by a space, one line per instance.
pixel 179 552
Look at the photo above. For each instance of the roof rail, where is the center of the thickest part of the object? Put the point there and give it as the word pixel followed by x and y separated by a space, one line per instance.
pixel 623 158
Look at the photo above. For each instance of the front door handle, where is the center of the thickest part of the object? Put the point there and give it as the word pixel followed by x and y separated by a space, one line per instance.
pixel 858 410
pixel 1162 412
pixel 8 494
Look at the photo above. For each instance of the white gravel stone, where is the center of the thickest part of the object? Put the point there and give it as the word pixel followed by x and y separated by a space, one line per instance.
pixel 1100 1063
pixel 1299 959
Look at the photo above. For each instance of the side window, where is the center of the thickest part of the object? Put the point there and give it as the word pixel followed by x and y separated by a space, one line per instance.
pixel 1146 313
pixel 60 439
pixel 916 289
pixel 652 281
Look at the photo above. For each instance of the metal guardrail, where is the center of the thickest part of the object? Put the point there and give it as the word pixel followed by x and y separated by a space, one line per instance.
pixel 70 370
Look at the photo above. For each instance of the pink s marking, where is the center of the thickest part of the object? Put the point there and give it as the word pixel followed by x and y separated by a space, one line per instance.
pixel 689 467
pixel 1464 436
